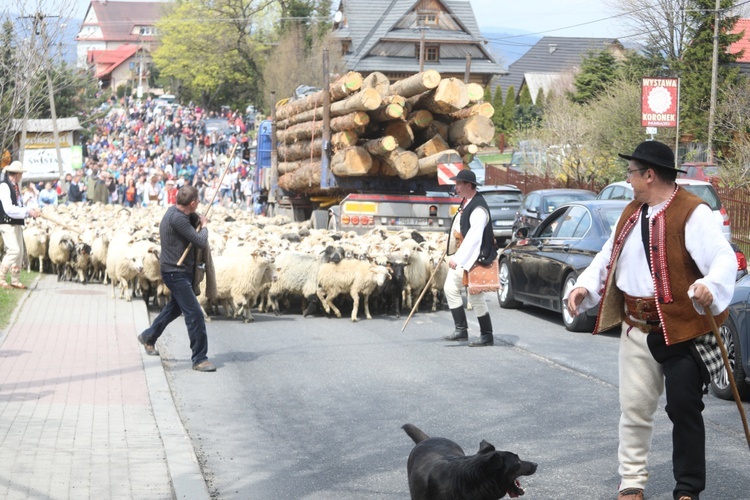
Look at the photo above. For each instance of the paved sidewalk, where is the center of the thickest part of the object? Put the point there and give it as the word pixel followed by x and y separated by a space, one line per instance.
pixel 84 413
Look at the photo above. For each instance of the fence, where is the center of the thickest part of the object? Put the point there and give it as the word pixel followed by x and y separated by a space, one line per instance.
pixel 735 200
pixel 737 203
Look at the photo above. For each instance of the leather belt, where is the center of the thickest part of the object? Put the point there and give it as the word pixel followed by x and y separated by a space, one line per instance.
pixel 641 313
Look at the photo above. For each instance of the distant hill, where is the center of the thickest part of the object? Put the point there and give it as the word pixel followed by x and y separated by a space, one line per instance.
pixel 508 45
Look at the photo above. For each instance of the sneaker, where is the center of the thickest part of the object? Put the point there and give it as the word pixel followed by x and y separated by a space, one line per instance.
pixel 150 348
pixel 630 494
pixel 204 366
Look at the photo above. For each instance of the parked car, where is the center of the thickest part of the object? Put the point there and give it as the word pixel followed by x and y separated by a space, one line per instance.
pixel 218 125
pixel 735 332
pixel 537 205
pixel 706 172
pixel 503 201
pixel 539 269
pixel 477 166
pixel 624 191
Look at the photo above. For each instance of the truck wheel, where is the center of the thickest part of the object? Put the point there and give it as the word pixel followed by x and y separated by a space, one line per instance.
pixel 319 219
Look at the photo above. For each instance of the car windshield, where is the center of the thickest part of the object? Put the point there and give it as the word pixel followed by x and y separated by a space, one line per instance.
pixel 610 216
pixel 498 198
pixel 552 202
pixel 706 193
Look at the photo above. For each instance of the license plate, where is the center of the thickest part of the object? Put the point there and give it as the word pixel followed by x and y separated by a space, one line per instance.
pixel 412 221
pixel 503 223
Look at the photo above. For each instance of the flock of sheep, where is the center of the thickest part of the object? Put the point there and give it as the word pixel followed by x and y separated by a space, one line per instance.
pixel 268 264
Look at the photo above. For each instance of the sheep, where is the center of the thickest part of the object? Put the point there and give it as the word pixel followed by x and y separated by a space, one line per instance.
pixel 61 244
pixel 99 247
pixel 389 296
pixel 36 241
pixel 349 276
pixel 416 273
pixel 238 283
pixel 80 262
pixel 123 266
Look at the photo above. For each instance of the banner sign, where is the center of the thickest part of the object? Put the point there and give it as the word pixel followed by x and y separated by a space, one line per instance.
pixel 659 102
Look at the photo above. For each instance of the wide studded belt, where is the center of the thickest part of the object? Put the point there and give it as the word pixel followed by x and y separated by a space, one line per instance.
pixel 641 313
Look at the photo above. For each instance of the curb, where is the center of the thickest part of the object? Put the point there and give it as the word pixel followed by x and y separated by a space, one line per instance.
pixel 184 471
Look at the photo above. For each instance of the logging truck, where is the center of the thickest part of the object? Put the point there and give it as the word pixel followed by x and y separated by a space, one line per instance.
pixel 372 153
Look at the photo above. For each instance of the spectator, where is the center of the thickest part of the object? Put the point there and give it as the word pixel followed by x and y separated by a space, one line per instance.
pixel 47 196
pixel 77 189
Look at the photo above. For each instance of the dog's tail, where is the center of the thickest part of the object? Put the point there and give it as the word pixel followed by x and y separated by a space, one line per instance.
pixel 415 433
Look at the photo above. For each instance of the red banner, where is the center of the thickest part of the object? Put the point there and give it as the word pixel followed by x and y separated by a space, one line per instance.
pixel 659 102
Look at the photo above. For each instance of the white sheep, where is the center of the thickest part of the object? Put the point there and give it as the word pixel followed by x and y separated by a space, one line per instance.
pixel 350 276
pixel 61 244
pixel 99 247
pixel 123 266
pixel 36 241
pixel 416 273
pixel 298 278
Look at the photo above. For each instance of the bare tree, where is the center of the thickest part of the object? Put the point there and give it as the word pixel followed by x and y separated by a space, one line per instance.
pixel 661 25
pixel 29 45
pixel 732 117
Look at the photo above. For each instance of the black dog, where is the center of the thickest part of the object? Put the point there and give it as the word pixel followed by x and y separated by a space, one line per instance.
pixel 438 469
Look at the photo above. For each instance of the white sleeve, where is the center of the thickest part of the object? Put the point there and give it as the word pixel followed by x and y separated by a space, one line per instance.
pixel 11 210
pixel 713 255
pixel 468 253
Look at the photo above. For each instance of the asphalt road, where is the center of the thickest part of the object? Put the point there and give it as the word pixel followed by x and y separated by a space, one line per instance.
pixel 312 408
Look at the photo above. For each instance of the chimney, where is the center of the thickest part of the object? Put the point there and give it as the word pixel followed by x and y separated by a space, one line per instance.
pixel 552 47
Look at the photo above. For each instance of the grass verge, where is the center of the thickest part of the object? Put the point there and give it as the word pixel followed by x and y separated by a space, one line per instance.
pixel 9 298
pixel 495 158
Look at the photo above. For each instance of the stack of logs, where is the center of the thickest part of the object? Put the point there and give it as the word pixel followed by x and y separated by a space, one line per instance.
pixel 379 128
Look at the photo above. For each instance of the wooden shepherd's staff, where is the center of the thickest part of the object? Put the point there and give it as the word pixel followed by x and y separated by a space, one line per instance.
pixel 190 245
pixel 424 290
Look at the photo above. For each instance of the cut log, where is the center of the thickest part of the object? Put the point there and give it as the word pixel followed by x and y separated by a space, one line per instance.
pixel 347 84
pixel 351 162
pixel 364 100
pixel 381 146
pixel 377 81
pixel 303 180
pixel 473 130
pixel 449 96
pixel 419 119
pixel 431 147
pixel 402 132
pixel 403 162
pixel 467 149
pixel 307 130
pixel 290 166
pixel 416 84
pixel 429 164
pixel 475 91
pixel 352 121
pixel 300 150
pixel 395 99
pixel 387 113
pixel 482 108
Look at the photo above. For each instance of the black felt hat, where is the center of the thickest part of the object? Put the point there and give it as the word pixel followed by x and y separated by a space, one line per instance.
pixel 654 154
pixel 466 176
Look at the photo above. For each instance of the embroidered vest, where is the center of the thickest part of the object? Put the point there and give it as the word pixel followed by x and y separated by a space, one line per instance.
pixel 673 271
pixel 4 218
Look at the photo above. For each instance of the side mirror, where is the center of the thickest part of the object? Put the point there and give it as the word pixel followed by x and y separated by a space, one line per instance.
pixel 522 232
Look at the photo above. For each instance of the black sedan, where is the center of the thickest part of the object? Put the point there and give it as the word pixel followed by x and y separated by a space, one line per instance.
pixel 735 332
pixel 503 201
pixel 540 268
pixel 537 205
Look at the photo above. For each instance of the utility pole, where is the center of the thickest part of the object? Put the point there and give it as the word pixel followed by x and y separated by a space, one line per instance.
pixel 422 29
pixel 714 78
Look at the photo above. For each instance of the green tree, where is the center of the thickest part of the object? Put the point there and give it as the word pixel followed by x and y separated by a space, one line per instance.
pixel 509 110
pixel 598 69
pixel 526 113
pixel 539 102
pixel 695 67
pixel 498 117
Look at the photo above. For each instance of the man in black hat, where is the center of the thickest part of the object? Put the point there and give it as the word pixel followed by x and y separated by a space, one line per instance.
pixel 470 241
pixel 12 215
pixel 665 263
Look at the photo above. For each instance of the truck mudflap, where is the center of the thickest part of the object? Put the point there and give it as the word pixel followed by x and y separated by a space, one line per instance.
pixel 362 212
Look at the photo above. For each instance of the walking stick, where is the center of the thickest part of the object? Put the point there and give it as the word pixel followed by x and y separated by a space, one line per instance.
pixel 190 245
pixel 730 375
pixel 424 290
pixel 64 226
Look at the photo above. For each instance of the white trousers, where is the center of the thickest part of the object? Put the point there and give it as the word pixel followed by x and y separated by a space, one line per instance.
pixel 453 287
pixel 13 240
pixel 641 384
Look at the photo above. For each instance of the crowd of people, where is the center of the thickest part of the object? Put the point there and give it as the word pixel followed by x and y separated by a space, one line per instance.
pixel 141 154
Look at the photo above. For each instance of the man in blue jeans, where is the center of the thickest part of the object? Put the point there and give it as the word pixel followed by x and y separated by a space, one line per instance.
pixel 177 231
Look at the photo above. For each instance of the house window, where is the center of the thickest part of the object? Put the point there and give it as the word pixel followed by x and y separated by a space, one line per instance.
pixel 147 30
pixel 427 18
pixel 431 53
pixel 344 48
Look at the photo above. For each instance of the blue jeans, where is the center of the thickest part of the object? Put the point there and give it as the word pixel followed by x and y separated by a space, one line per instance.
pixel 183 302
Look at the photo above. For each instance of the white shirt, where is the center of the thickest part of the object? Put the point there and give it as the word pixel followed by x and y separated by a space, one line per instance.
pixel 704 242
pixel 468 253
pixel 11 210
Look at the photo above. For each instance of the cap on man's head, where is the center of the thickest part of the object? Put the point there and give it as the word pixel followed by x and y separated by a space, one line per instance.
pixel 653 154
pixel 15 168
pixel 466 175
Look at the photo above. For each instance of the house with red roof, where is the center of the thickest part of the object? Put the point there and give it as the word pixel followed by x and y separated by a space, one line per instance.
pixel 743 44
pixel 116 40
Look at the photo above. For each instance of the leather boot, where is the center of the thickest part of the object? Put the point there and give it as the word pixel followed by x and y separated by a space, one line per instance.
pixel 462 328
pixel 485 331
